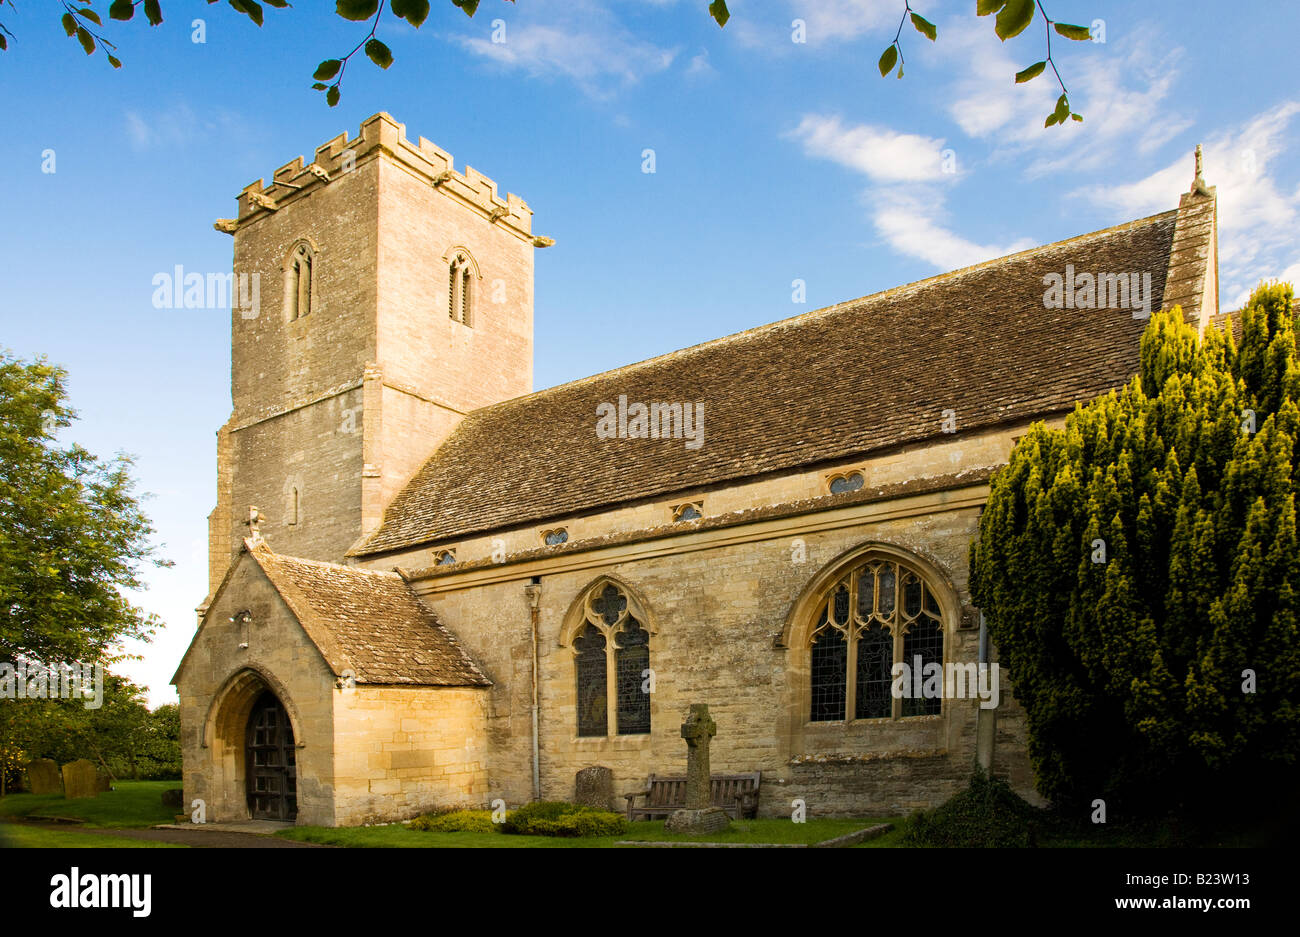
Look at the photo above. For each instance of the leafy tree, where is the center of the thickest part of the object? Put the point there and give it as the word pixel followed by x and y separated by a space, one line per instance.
pixel 1140 573
pixel 121 735
pixel 82 23
pixel 72 534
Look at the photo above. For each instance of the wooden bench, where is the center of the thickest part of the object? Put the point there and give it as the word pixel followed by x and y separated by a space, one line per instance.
pixel 735 793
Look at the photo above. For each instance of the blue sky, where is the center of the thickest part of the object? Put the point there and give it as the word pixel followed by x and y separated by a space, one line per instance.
pixel 774 160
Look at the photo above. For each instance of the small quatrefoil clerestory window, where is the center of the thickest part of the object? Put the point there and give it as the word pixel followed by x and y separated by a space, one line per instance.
pixel 553 538
pixel 444 558
pixel 848 481
pixel 690 511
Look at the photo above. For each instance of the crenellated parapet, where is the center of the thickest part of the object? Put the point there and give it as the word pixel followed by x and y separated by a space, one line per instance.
pixel 382 135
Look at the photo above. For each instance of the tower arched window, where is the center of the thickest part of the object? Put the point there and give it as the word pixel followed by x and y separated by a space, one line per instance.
pixel 460 289
pixel 880 613
pixel 611 650
pixel 298 281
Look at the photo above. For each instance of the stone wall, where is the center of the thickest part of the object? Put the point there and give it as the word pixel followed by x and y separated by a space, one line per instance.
pixel 402 751
pixel 218 682
pixel 717 618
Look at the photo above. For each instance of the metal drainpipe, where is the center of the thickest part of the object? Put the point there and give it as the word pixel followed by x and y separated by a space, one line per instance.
pixel 533 591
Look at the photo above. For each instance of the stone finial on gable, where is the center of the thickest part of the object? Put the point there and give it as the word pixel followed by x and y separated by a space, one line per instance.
pixel 1198 182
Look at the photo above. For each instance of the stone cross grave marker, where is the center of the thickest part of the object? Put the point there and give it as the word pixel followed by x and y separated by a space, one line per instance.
pixel 699 815
pixel 79 779
pixel 43 776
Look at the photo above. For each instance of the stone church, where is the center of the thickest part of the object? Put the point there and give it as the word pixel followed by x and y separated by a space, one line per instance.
pixel 433 586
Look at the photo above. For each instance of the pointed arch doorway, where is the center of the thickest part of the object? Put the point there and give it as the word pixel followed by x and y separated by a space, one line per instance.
pixel 272 766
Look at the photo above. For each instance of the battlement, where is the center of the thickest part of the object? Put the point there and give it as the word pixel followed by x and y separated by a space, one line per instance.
pixel 382 135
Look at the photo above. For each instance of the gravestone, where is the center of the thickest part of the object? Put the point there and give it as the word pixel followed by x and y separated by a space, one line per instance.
pixel 103 781
pixel 594 787
pixel 79 779
pixel 699 815
pixel 43 776
pixel 173 797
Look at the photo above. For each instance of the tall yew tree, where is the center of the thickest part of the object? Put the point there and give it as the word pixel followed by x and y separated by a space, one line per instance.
pixel 1140 573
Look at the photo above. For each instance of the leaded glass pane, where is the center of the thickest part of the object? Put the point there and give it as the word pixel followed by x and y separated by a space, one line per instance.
pixel 631 660
pixel 887 583
pixel 841 606
pixel 911 595
pixel 875 655
pixel 830 662
pixel 866 592
pixel 924 640
pixel 590 666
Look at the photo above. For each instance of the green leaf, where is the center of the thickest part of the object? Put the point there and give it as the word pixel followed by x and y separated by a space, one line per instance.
pixel 114 61
pixel 153 12
pixel 278 4
pixel 925 27
pixel 319 86
pixel 413 11
pixel 91 15
pixel 1013 19
pixel 1033 71
pixel 985 7
pixel 250 8
pixel 469 6
pixel 332 95
pixel 1062 107
pixel 4 43
pixel 1073 32
pixel 379 53
pixel 69 24
pixel 1078 117
pixel 887 60
pixel 327 69
pixel 720 12
pixel 86 39
pixel 357 10
pixel 1051 119
pixel 121 10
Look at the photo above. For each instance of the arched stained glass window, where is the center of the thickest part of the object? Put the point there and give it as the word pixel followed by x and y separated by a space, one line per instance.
pixel 590 664
pixel 878 614
pixel 612 664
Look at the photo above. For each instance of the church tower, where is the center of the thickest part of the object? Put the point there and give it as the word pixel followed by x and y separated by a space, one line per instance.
pixel 378 297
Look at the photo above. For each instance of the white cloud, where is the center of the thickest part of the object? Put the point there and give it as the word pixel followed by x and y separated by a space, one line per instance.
pixel 579 40
pixel 1257 217
pixel 179 125
pixel 906 202
pixel 1121 88
pixel 700 67
pixel 841 20
pixel 910 222
pixel 882 154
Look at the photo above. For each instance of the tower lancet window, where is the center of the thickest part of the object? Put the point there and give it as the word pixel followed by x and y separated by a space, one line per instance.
pixel 298 282
pixel 460 295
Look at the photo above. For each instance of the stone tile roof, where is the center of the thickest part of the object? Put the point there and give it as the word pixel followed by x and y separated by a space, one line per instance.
pixel 368 622
pixel 836 383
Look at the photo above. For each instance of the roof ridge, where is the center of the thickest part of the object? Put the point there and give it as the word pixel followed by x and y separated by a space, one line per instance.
pixel 322 563
pixel 828 310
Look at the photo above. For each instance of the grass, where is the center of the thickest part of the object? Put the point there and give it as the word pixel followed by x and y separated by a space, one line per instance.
pixel 399 836
pixel 22 836
pixel 133 805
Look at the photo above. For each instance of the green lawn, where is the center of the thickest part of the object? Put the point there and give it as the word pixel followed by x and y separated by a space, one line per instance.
pixel 22 836
pixel 134 804
pixel 742 831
